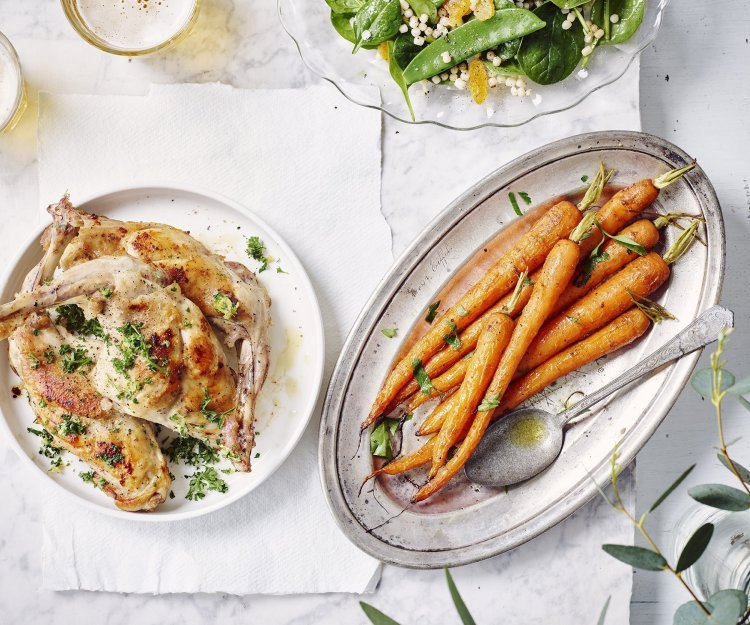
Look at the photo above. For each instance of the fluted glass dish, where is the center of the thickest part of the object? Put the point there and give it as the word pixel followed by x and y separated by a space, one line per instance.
pixel 330 56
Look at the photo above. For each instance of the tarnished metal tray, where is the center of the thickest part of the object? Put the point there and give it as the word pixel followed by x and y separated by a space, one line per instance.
pixel 469 523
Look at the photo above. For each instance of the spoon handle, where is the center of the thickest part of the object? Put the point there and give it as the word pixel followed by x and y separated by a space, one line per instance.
pixel 704 330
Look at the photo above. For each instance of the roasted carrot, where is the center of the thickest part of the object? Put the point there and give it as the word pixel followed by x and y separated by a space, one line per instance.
pixel 614 256
pixel 627 204
pixel 442 384
pixel 556 272
pixel 481 368
pixel 612 298
pixel 527 254
pixel 616 334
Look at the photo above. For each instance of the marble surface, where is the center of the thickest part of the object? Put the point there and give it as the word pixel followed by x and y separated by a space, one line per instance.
pixel 692 93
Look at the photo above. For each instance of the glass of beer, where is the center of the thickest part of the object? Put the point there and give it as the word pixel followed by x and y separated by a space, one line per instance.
pixel 132 27
pixel 12 90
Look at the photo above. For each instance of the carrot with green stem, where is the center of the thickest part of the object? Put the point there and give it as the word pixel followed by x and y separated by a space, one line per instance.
pixel 526 254
pixel 557 271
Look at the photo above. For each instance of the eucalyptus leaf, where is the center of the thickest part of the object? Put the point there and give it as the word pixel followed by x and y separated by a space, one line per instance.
pixel 671 489
pixel 376 616
pixel 694 547
pixel 630 13
pixel 345 6
pixel 726 607
pixel 551 54
pixel 740 388
pixel 603 613
pixel 398 75
pixel 381 18
pixel 703 380
pixel 721 496
pixel 744 473
pixel 463 611
pixel 637 557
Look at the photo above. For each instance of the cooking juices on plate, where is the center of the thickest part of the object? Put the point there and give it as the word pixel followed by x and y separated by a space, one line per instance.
pixel 12 91
pixel 573 288
pixel 483 45
pixel 132 27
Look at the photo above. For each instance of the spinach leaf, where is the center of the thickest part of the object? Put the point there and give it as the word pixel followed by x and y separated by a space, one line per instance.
pixel 342 22
pixel 569 4
pixel 345 6
pixel 398 76
pixel 424 6
pixel 630 13
pixel 509 68
pixel 404 51
pixel 509 49
pixel 471 38
pixel 380 18
pixel 551 54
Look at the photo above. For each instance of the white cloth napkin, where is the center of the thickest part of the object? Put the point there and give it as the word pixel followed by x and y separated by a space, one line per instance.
pixel 307 162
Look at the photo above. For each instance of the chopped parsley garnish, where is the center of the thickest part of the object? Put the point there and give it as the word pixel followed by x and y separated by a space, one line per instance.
pixel 256 250
pixel 432 312
pixel 110 453
pixel 380 438
pixel 34 361
pixel 71 426
pixel 420 375
pixel 224 305
pixel 86 477
pixel 49 356
pixel 179 425
pixel 191 451
pixel 525 197
pixel 71 316
pixel 573 319
pixel 280 270
pixel 212 415
pixel 77 359
pixel 65 349
pixel 47 449
pixel 390 332
pixel 106 292
pixel 514 204
pixel 206 478
pixel 489 403
pixel 134 344
pixel 452 338
pixel 584 178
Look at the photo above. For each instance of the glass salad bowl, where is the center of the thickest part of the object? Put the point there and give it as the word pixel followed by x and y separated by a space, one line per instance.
pixel 327 54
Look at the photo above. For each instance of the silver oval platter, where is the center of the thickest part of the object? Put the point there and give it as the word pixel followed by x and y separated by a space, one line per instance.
pixel 465 523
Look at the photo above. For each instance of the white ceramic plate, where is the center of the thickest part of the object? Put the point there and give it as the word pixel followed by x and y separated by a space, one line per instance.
pixel 288 398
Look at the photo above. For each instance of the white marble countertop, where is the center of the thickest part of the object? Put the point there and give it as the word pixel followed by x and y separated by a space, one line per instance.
pixel 694 92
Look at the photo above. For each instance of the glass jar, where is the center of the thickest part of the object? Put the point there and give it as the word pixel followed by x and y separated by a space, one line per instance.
pixel 12 88
pixel 132 27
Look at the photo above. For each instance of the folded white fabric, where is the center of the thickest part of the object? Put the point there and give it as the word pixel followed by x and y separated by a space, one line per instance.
pixel 309 164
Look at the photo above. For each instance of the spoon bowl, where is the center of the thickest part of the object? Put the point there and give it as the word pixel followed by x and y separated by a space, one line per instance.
pixel 525 442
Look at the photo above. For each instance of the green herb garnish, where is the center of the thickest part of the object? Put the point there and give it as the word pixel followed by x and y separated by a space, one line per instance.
pixel 390 332
pixel 462 312
pixel 432 312
pixel 212 415
pixel 206 478
pixel 420 375
pixel 380 438
pixel 514 204
pixel 47 449
pixel 489 403
pixel 525 197
pixel 109 453
pixel 71 426
pixel 106 292
pixel 224 305
pixel 71 317
pixel 134 344
pixel 256 250
pixel 452 337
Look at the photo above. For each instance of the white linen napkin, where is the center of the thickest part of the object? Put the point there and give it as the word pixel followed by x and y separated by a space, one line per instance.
pixel 307 162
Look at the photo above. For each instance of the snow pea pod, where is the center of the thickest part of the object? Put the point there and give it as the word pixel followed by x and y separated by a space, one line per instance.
pixel 380 18
pixel 469 39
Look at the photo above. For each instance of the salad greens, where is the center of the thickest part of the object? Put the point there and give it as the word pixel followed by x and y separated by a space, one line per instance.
pixel 437 40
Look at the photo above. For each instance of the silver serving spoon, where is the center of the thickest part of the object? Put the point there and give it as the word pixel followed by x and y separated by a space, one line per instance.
pixel 526 441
